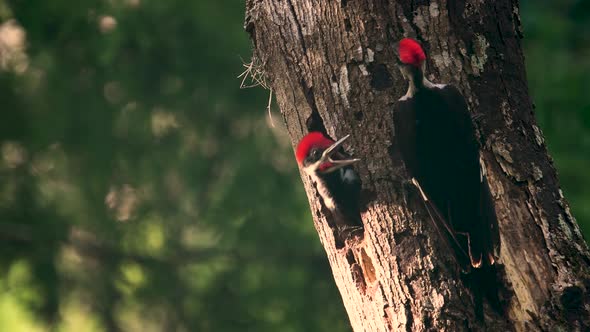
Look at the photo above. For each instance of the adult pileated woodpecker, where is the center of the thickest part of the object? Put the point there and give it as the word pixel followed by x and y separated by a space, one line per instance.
pixel 438 144
pixel 337 182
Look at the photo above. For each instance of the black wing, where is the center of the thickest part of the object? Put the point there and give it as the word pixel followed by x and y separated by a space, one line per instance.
pixel 470 204
pixel 404 119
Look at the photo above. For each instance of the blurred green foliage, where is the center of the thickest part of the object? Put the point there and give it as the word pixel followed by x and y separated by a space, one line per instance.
pixel 142 190
pixel 557 50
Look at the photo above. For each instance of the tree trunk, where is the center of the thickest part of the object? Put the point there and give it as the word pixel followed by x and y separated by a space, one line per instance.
pixel 332 67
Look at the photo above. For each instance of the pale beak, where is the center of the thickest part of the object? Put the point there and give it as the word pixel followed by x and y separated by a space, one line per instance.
pixel 335 164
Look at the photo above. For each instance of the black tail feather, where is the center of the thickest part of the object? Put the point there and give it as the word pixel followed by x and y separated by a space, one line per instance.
pixel 483 283
pixel 444 228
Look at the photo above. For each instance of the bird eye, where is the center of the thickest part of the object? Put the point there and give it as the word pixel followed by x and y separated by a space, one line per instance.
pixel 315 154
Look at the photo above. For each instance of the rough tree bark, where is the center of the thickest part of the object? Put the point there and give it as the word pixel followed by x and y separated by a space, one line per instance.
pixel 332 67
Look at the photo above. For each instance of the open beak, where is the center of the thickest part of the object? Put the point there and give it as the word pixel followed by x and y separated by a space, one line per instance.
pixel 335 164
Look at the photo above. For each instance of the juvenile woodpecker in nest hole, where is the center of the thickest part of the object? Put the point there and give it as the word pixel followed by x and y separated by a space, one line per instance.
pixel 337 182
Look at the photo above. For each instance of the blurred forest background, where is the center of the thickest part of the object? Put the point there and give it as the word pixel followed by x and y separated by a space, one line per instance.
pixel 142 190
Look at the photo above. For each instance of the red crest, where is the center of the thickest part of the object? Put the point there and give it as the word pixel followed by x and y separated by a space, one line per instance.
pixel 312 140
pixel 410 52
